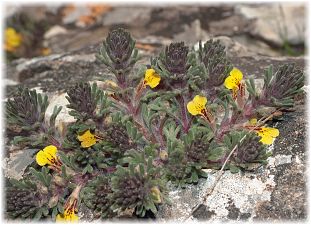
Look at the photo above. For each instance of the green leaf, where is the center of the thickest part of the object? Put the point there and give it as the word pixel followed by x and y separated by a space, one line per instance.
pixel 64 158
pixel 194 177
pixel 54 213
pixel 89 168
pixel 84 171
pixel 64 173
pixel 60 208
pixel 38 214
pixel 234 169
pixel 45 211
pixel 55 113
pixel 216 153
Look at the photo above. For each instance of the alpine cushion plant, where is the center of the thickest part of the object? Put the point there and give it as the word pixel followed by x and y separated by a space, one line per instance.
pixel 148 126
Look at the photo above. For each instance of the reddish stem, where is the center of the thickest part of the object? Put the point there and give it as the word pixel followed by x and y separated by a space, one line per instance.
pixel 184 117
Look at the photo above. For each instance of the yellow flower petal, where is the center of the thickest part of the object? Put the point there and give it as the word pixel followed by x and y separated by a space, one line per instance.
pixel 267 140
pixel 163 155
pixel 41 158
pixel 237 74
pixel 88 143
pixel 229 83
pixel 51 149
pixel 72 217
pixel 87 139
pixel 268 134
pixel 84 136
pixel 234 79
pixel 197 105
pixel 200 100
pixel 45 156
pixel 273 132
pixel 192 109
pixel 60 218
pixel 152 78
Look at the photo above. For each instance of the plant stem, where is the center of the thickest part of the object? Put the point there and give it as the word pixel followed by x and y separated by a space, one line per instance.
pixel 183 112
pixel 54 141
pixel 144 131
pixel 160 132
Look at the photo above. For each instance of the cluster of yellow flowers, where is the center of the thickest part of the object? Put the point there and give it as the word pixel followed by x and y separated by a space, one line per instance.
pixel 48 156
pixel 197 106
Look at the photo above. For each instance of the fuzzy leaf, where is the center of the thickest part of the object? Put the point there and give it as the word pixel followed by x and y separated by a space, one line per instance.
pixel 216 153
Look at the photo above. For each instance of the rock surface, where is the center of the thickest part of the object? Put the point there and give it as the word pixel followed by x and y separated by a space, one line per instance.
pixel 139 16
pixel 58 72
pixel 271 29
pixel 277 23
pixel 274 192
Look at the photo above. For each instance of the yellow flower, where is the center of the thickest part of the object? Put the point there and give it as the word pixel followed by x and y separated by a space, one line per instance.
pixel 12 39
pixel 70 207
pixel 267 134
pixel 234 82
pixel 69 213
pixel 69 216
pixel 87 139
pixel 152 78
pixel 48 156
pixel 197 105
pixel 234 79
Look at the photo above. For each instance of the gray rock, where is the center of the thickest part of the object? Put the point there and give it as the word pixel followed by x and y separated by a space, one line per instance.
pixel 259 47
pixel 239 190
pixel 55 72
pixel 289 198
pixel 76 39
pixel 138 16
pixel 232 25
pixel 63 119
pixel 276 23
pixel 75 14
pixel 197 33
pixel 234 48
pixel 17 162
pixel 274 192
pixel 54 31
